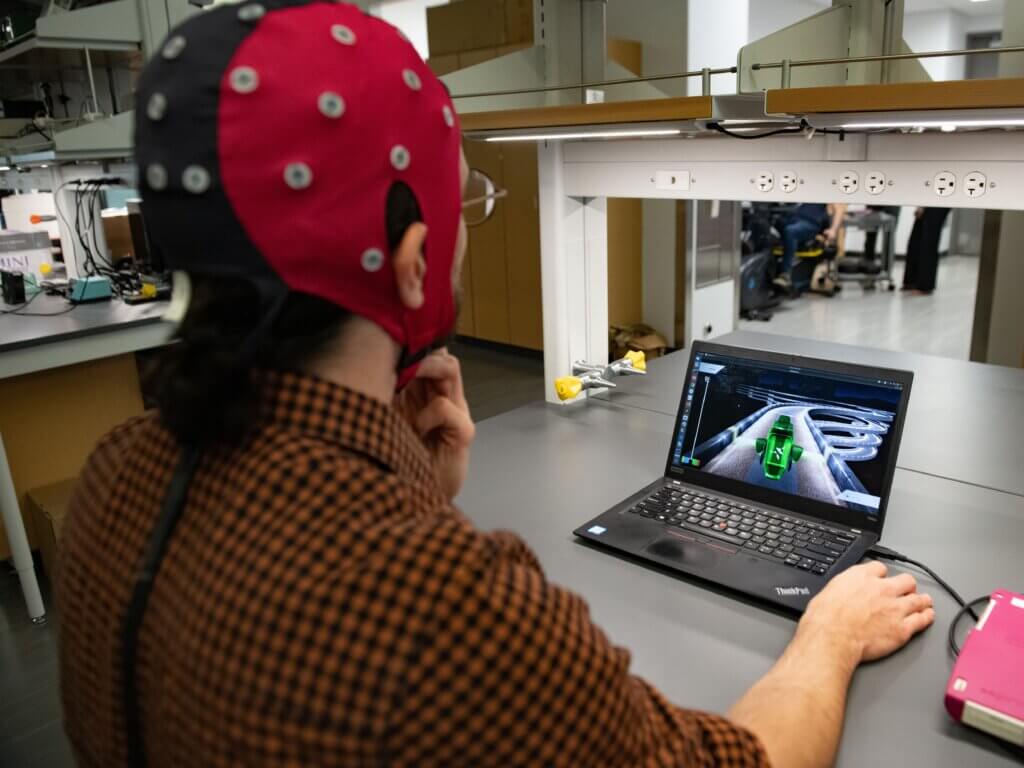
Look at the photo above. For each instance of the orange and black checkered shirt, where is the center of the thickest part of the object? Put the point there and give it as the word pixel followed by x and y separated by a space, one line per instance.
pixel 322 604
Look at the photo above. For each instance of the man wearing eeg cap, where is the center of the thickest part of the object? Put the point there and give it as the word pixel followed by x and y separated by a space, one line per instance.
pixel 269 570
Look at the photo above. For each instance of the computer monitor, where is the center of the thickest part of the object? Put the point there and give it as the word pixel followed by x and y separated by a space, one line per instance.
pixel 780 427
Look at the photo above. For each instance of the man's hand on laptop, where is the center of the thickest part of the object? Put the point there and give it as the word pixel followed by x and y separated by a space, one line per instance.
pixel 872 614
pixel 797 708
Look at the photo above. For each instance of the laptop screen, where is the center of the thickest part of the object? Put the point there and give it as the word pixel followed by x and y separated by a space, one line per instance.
pixel 811 433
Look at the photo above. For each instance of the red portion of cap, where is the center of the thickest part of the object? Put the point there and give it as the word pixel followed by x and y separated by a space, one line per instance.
pixel 308 173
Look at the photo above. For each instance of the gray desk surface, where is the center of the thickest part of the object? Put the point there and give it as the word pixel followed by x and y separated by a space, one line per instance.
pixel 543 469
pixel 965 420
pixel 33 342
pixel 18 331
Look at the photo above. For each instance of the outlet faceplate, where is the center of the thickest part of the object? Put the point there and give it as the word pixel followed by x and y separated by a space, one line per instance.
pixel 944 183
pixel 975 184
pixel 677 180
pixel 874 182
pixel 765 181
pixel 787 181
pixel 849 182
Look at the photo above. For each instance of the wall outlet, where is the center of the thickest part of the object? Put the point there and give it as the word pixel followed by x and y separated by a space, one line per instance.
pixel 849 182
pixel 765 181
pixel 975 184
pixel 874 182
pixel 677 180
pixel 787 181
pixel 944 183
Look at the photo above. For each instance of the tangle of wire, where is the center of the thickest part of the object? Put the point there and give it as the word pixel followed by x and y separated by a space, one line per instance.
pixel 87 194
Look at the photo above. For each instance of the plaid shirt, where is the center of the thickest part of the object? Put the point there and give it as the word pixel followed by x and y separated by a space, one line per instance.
pixel 322 604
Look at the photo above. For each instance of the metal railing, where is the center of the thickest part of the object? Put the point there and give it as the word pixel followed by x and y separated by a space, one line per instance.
pixel 705 75
pixel 786 65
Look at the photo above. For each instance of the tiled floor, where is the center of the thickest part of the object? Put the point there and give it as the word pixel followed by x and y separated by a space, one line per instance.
pixel 939 324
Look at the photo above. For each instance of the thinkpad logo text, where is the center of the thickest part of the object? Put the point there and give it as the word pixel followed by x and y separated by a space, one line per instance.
pixel 792 591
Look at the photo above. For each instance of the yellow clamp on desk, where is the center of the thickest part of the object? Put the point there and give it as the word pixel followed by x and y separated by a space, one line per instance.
pixel 567 387
pixel 638 359
pixel 148 290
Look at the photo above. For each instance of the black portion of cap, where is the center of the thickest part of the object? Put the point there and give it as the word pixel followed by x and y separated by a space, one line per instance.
pixel 198 233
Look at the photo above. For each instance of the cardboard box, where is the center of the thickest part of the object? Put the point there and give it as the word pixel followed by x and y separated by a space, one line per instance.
pixel 118 234
pixel 47 507
pixel 635 338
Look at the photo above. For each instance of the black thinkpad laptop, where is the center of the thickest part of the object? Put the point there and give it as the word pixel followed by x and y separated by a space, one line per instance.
pixel 778 474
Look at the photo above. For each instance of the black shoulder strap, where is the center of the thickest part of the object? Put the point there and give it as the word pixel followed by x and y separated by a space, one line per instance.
pixel 156 546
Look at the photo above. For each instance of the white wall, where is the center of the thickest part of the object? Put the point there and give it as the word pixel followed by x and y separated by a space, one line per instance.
pixel 717 29
pixel 989 23
pixel 410 16
pixel 661 28
pixel 934 31
pixel 768 16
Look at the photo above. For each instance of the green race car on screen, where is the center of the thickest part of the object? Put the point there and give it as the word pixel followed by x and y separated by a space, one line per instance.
pixel 776 451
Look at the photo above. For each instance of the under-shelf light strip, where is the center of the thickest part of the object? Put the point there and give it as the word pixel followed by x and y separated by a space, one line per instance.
pixel 587 135
pixel 944 124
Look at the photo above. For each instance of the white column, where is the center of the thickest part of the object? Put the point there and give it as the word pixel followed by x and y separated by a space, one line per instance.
pixel 574 272
pixel 22 555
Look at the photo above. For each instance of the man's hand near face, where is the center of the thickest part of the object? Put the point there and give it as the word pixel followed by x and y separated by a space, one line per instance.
pixel 434 403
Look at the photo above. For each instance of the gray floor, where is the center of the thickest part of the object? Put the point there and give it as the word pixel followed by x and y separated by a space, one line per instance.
pixel 499 380
pixel 939 324
pixel 30 726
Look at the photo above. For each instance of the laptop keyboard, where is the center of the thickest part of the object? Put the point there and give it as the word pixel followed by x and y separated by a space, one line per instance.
pixel 796 542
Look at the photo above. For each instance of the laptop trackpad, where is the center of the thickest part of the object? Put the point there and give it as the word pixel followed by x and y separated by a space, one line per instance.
pixel 683 550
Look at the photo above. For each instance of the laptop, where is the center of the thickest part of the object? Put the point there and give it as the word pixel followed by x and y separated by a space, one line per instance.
pixel 778 474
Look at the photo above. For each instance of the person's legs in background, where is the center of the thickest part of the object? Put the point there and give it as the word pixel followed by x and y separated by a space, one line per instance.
pixel 932 221
pixel 794 232
pixel 923 249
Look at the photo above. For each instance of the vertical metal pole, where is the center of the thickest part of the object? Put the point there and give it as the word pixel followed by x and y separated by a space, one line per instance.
pixel 15 527
pixel 92 81
pixel 705 81
pixel 786 71
pixel 593 42
pixel 112 87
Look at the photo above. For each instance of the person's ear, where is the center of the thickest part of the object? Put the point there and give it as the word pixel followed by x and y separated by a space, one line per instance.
pixel 410 266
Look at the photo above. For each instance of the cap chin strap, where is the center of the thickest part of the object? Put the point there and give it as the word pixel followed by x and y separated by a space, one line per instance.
pixel 272 297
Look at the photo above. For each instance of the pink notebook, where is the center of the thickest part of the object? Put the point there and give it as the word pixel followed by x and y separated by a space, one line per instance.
pixel 986 689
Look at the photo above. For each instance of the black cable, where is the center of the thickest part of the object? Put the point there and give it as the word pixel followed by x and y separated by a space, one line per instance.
pixel 71 308
pixel 890 554
pixel 19 310
pixel 21 306
pixel 748 137
pixel 956 621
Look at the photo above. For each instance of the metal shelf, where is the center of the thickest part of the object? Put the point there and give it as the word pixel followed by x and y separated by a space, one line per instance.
pixel 107 138
pixel 109 32
pixel 34 55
